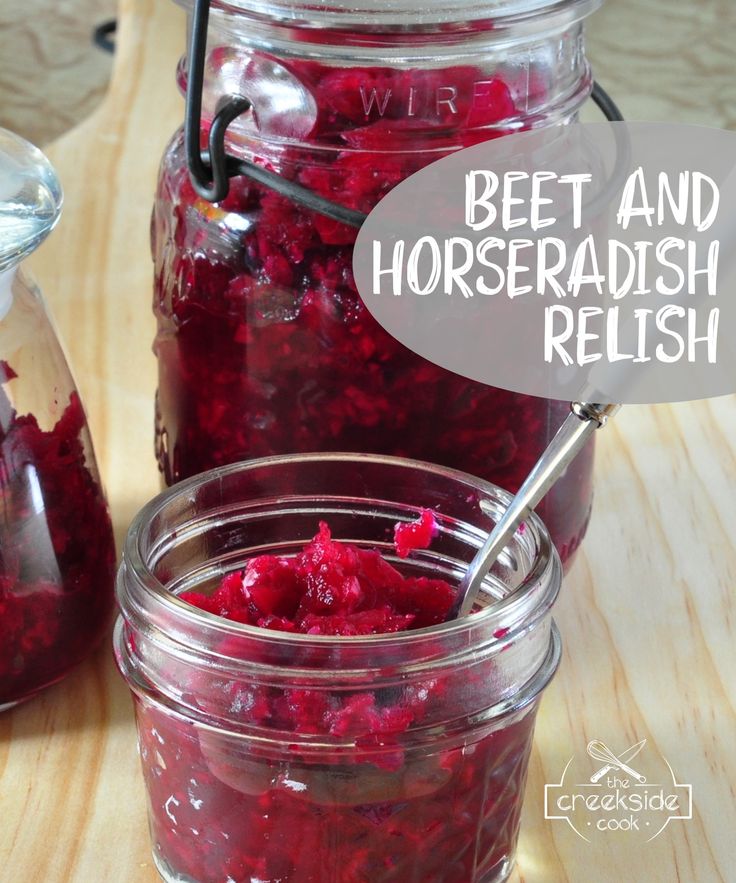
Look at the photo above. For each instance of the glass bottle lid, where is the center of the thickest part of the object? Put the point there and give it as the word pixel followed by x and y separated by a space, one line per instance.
pixel 30 198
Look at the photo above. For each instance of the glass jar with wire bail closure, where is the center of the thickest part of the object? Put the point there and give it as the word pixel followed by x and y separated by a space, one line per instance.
pixel 309 114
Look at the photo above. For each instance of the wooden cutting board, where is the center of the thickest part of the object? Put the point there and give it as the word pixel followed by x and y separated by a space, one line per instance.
pixel 648 614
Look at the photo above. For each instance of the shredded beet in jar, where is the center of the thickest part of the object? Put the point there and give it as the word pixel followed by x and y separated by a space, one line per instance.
pixel 333 588
pixel 375 812
pixel 439 816
pixel 265 346
pixel 410 535
pixel 57 554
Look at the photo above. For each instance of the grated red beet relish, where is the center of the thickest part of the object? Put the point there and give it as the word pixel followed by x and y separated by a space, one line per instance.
pixel 333 588
pixel 265 346
pixel 410 535
pixel 376 811
pixel 448 816
pixel 57 555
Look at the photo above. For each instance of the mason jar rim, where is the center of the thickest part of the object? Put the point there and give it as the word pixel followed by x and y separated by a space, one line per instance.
pixel 376 15
pixel 545 567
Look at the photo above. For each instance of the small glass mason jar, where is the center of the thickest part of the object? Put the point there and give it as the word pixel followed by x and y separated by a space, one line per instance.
pixel 270 755
pixel 264 345
pixel 57 556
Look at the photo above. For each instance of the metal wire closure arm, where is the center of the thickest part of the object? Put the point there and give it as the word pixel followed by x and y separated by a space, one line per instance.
pixel 211 170
pixel 606 104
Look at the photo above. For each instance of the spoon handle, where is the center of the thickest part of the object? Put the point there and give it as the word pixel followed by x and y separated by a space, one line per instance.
pixel 580 424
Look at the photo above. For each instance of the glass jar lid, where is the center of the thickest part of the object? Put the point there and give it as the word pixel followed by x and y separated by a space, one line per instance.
pixel 30 198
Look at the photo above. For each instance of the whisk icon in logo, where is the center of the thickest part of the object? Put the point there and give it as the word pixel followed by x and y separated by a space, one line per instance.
pixel 617 796
pixel 602 753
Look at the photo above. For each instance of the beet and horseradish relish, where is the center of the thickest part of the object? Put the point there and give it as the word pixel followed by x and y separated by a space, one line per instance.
pixel 264 345
pixel 57 556
pixel 391 817
pixel 309 716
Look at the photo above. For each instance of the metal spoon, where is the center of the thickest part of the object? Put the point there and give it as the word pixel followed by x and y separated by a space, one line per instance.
pixel 584 419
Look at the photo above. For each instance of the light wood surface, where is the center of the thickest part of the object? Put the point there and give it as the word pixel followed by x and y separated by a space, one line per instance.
pixel 51 74
pixel 648 614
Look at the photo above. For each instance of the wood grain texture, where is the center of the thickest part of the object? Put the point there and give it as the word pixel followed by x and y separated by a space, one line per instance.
pixel 648 614
pixel 51 74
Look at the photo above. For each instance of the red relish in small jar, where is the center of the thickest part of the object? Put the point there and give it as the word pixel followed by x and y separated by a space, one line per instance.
pixel 333 588
pixel 304 711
